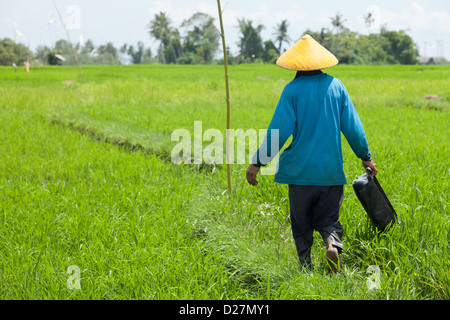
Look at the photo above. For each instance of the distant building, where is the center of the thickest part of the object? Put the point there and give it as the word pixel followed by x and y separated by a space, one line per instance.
pixel 126 60
pixel 433 61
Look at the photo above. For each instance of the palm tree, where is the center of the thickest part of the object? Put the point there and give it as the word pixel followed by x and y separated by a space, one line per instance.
pixel 369 19
pixel 250 43
pixel 161 29
pixel 281 35
pixel 122 51
pixel 202 37
pixel 338 22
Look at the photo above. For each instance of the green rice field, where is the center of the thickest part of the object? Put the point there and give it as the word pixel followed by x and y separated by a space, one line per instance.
pixel 86 180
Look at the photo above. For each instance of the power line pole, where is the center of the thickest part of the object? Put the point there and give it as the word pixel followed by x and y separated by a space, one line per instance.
pixel 70 43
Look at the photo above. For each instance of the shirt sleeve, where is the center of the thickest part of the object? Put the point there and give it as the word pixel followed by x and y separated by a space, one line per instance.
pixel 353 129
pixel 280 129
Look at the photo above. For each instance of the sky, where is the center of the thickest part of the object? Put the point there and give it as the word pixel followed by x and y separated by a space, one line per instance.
pixel 36 22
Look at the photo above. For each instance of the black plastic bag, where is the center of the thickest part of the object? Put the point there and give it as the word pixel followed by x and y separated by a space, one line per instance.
pixel 375 202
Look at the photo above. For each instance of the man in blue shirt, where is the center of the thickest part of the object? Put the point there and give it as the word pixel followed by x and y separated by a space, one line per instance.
pixel 314 109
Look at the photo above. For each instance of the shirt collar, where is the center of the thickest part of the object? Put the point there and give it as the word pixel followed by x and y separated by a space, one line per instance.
pixel 307 73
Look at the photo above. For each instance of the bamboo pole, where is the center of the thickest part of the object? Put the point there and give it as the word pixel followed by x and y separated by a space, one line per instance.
pixel 225 60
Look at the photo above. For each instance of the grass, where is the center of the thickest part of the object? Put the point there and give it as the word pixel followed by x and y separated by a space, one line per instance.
pixel 122 217
pixel 85 179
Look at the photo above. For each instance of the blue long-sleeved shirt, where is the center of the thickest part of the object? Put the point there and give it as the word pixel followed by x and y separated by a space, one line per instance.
pixel 314 110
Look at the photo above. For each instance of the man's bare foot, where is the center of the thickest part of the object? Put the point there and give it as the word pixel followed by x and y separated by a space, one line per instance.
pixel 333 259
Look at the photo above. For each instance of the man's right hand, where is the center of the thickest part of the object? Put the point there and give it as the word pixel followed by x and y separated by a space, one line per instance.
pixel 252 171
pixel 372 165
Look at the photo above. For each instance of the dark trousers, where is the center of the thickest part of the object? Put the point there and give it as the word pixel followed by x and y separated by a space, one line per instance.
pixel 315 208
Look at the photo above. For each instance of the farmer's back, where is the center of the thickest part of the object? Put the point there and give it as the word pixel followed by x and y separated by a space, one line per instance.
pixel 314 109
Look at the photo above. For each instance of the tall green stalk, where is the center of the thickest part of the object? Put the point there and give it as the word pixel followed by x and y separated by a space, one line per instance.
pixel 225 61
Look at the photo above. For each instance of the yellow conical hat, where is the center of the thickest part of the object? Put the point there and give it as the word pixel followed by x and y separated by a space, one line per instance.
pixel 307 55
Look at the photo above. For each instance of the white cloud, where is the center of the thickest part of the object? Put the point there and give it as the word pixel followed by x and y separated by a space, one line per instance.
pixel 429 29
pixel 417 19
pixel 176 14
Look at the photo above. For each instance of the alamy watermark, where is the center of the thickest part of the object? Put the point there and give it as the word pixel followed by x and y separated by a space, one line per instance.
pixel 73 20
pixel 74 281
pixel 211 146
pixel 374 280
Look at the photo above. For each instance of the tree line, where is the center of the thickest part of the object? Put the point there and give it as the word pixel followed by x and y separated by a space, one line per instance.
pixel 200 45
